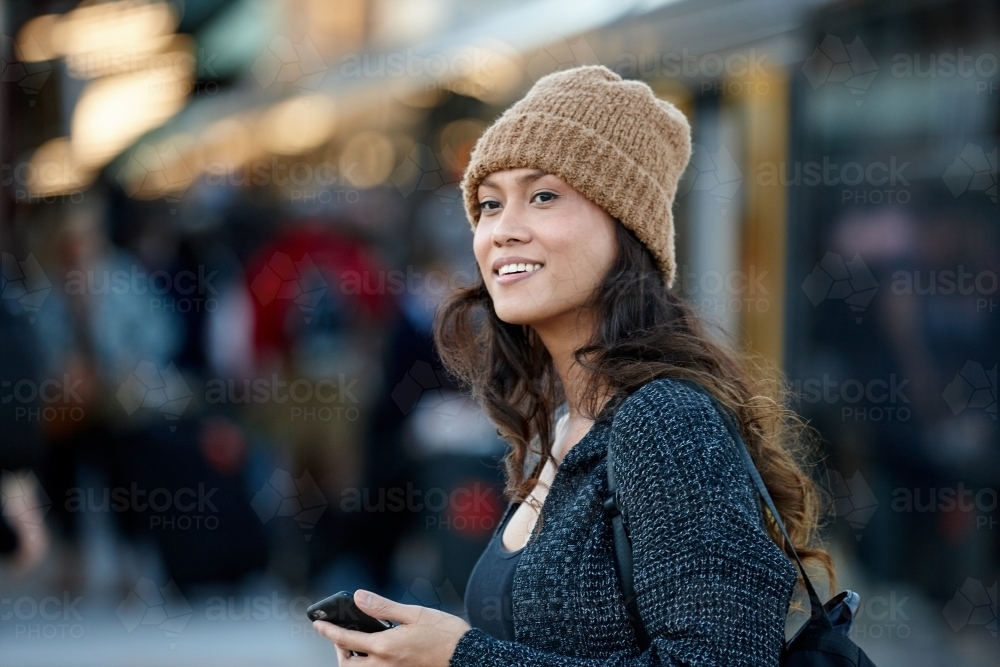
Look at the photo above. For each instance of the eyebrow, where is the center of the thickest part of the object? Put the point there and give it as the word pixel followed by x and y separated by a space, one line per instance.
pixel 532 175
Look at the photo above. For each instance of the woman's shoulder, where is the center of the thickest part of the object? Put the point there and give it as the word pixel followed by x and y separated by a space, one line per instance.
pixel 667 434
pixel 668 416
pixel 663 397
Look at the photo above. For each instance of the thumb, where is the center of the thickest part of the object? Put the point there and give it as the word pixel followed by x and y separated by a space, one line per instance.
pixel 383 608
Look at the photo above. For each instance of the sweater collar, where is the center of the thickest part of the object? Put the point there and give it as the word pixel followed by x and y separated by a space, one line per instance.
pixel 591 448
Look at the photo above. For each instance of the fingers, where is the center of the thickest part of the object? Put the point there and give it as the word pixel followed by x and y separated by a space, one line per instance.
pixel 385 609
pixel 348 640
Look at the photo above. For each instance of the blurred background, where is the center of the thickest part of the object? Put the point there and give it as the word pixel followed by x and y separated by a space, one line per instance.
pixel 226 225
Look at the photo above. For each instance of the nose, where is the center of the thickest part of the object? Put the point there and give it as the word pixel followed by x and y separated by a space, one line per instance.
pixel 509 228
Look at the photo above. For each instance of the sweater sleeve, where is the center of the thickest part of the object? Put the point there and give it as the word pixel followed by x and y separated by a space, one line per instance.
pixel 712 587
pixel 477 648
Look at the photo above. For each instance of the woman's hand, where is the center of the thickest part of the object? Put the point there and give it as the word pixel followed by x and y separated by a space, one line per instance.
pixel 424 637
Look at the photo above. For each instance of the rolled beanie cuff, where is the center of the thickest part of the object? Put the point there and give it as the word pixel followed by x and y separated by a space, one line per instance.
pixel 588 162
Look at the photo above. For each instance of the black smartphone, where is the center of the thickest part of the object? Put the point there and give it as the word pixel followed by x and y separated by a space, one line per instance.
pixel 340 609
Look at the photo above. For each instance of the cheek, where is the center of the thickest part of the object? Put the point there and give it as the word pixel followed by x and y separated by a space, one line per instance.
pixel 587 255
pixel 481 246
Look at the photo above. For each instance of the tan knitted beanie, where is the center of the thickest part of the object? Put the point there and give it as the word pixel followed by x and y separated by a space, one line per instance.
pixel 612 140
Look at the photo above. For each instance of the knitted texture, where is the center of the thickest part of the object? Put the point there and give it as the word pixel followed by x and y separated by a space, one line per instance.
pixel 712 587
pixel 612 140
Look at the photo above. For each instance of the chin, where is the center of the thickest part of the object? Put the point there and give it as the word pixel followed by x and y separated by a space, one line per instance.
pixel 517 314
pixel 514 316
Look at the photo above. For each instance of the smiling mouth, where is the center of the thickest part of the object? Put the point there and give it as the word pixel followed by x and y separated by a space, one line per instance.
pixel 508 269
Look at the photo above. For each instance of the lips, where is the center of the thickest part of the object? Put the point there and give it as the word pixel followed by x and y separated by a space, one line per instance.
pixel 513 268
pixel 508 278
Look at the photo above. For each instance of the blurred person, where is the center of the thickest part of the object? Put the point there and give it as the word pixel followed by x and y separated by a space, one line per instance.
pixel 572 340
pixel 24 537
pixel 94 329
pixel 319 308
pixel 930 322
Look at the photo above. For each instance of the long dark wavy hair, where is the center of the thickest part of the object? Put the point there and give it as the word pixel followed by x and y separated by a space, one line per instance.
pixel 644 331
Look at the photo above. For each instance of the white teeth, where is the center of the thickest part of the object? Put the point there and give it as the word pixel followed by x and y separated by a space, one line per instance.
pixel 518 268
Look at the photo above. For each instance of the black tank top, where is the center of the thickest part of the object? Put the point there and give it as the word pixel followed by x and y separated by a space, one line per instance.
pixel 488 593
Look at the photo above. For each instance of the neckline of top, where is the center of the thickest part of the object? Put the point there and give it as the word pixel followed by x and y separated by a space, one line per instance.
pixel 502 551
pixel 589 445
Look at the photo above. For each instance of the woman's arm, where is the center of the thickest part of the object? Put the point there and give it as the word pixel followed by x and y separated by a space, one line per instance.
pixel 712 587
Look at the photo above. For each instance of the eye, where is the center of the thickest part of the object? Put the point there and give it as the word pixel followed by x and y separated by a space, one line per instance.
pixel 485 205
pixel 551 196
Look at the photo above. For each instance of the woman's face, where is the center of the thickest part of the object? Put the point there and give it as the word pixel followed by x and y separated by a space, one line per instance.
pixel 542 246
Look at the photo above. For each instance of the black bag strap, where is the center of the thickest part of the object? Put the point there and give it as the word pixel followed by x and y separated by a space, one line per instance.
pixel 623 555
pixel 623 548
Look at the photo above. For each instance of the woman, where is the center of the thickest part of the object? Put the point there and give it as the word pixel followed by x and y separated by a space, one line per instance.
pixel 571 339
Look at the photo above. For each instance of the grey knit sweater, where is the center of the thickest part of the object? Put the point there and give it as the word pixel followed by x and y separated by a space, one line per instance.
pixel 712 587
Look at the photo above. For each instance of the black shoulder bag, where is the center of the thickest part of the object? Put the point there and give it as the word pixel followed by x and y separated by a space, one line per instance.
pixel 822 641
